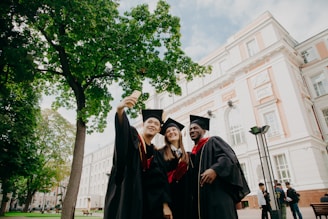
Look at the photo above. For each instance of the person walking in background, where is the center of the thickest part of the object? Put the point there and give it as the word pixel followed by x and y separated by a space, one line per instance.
pixel 324 198
pixel 177 161
pixel 293 198
pixel 138 186
pixel 281 198
pixel 263 198
pixel 218 182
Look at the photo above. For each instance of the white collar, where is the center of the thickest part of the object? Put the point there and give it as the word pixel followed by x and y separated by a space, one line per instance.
pixel 176 151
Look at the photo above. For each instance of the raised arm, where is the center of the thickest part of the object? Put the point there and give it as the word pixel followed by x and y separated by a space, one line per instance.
pixel 123 137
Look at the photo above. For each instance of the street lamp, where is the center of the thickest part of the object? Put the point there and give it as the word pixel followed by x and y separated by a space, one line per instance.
pixel 266 165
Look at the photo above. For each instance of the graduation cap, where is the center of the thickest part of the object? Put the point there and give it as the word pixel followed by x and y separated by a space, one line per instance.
pixel 170 123
pixel 156 113
pixel 203 122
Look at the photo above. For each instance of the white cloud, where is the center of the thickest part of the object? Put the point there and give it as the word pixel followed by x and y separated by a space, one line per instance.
pixel 200 43
pixel 302 19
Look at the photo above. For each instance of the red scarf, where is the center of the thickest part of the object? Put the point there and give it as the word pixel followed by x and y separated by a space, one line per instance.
pixel 144 161
pixel 177 174
pixel 199 146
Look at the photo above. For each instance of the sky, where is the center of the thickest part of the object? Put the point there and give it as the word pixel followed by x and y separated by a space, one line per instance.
pixel 207 24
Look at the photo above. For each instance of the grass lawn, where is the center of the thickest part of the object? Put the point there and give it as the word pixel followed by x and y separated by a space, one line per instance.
pixel 45 215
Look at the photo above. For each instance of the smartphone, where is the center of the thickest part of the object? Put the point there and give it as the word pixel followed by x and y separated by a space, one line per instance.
pixel 136 94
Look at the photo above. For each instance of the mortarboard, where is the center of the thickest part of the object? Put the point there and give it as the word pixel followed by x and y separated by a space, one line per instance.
pixel 156 113
pixel 169 123
pixel 203 122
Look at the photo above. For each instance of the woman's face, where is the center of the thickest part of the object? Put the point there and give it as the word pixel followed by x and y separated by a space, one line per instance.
pixel 172 134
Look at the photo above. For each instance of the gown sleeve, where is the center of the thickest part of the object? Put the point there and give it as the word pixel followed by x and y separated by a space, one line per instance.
pixel 227 167
pixel 124 139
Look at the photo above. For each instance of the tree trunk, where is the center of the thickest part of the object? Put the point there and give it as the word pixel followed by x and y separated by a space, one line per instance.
pixel 5 198
pixel 28 200
pixel 69 201
pixel 3 208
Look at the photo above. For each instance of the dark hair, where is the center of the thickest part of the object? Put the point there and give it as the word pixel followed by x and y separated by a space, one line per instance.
pixel 261 184
pixel 287 183
pixel 278 184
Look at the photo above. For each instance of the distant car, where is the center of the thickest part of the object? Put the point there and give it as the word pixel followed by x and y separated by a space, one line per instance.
pixel 35 209
pixel 16 209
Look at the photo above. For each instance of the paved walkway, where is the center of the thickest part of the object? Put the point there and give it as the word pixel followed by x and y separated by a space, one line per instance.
pixel 247 213
pixel 307 213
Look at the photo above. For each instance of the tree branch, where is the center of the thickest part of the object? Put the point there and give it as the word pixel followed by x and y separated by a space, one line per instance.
pixel 49 70
pixel 48 38
pixel 92 78
pixel 102 59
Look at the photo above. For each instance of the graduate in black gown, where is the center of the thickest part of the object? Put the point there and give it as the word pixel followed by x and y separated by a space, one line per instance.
pixel 138 186
pixel 218 180
pixel 177 161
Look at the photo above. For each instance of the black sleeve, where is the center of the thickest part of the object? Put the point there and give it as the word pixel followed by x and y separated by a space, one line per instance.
pixel 125 137
pixel 165 187
pixel 294 195
pixel 156 182
pixel 227 167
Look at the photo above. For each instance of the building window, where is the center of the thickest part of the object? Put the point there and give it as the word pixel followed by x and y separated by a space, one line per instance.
pixel 252 48
pixel 282 168
pixel 325 115
pixel 235 127
pixel 309 55
pixel 270 118
pixel 320 84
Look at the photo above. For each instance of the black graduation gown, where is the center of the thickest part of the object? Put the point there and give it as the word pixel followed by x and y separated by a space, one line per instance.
pixel 134 193
pixel 218 200
pixel 180 192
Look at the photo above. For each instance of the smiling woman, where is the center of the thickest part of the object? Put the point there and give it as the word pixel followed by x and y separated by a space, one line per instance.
pixel 176 162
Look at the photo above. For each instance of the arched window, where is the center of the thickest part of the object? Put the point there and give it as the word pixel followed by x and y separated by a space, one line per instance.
pixel 236 130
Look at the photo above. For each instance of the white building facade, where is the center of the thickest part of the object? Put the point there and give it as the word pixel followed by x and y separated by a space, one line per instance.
pixel 261 76
pixel 95 172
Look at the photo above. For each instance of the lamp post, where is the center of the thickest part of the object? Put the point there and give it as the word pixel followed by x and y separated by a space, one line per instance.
pixel 266 166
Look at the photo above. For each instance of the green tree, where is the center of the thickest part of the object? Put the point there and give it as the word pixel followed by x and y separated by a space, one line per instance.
pixel 55 138
pixel 18 100
pixel 18 114
pixel 16 65
pixel 73 41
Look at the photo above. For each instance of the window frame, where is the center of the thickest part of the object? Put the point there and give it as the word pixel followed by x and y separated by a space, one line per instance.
pixel 325 116
pixel 313 54
pixel 237 132
pixel 285 168
pixel 275 129
pixel 272 108
pixel 252 47
pixel 317 92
